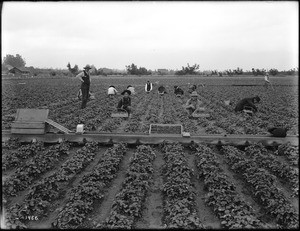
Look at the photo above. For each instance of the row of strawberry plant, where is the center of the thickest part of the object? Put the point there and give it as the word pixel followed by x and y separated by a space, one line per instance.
pixel 17 157
pixel 128 203
pixel 263 159
pixel 290 152
pixel 178 192
pixel 222 196
pixel 32 169
pixel 168 116
pixel 38 201
pixel 11 143
pixel 263 187
pixel 153 115
pixel 90 189
pixel 183 117
pixel 135 121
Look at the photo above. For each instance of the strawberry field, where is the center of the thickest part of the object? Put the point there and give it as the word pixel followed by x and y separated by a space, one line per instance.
pixel 104 186
pixel 277 108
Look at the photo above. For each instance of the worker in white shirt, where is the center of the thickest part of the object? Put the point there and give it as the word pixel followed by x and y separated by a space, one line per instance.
pixel 112 91
pixel 131 89
pixel 267 81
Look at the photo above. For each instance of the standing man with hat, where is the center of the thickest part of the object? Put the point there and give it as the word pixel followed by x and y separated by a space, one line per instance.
pixel 84 77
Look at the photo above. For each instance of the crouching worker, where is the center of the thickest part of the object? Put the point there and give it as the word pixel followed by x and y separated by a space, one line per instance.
pixel 131 89
pixel 162 90
pixel 111 91
pixel 178 91
pixel 125 102
pixel 192 88
pixel 248 104
pixel 193 103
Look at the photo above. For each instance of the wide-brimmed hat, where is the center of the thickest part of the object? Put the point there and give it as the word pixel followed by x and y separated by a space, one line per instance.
pixel 87 67
pixel 194 93
pixel 112 86
pixel 129 92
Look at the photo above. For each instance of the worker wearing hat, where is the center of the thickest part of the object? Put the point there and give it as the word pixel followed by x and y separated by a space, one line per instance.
pixel 111 91
pixel 193 103
pixel 267 81
pixel 84 77
pixel 125 102
pixel 178 91
pixel 247 102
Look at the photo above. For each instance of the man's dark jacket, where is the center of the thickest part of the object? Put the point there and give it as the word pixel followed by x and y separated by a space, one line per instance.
pixel 249 102
pixel 178 91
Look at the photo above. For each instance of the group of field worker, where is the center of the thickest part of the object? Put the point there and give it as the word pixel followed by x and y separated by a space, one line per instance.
pixel 192 104
pixel 125 103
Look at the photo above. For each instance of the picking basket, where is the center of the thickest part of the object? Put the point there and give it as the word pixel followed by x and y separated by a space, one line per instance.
pixel 165 129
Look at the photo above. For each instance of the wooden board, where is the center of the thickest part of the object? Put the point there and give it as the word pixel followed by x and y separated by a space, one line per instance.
pixel 157 139
pixel 27 131
pixel 28 125
pixel 165 129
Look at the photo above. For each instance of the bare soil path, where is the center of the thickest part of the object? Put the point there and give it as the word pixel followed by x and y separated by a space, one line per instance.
pixel 205 213
pixel 153 212
pixel 243 190
pixel 102 208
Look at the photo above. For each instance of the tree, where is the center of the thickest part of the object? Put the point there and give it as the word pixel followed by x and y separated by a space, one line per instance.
pixel 74 70
pixel 134 70
pixel 273 71
pixel 189 70
pixel 15 61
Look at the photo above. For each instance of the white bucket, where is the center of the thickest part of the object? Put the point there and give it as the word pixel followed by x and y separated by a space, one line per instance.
pixel 79 128
pixel 227 102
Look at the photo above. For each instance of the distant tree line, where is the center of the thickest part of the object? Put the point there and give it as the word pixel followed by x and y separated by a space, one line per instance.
pixel 188 70
pixel 132 69
pixel 14 61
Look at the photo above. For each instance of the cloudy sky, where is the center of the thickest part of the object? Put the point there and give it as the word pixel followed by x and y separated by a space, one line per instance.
pixel 215 35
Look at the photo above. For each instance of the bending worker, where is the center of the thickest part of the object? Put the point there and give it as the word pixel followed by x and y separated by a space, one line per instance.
pixel 131 89
pixel 84 77
pixel 178 91
pixel 193 103
pixel 148 87
pixel 125 102
pixel 112 91
pixel 247 102
pixel 162 90
pixel 192 88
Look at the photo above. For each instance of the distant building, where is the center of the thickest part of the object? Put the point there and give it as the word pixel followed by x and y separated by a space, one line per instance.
pixel 18 70
pixel 162 71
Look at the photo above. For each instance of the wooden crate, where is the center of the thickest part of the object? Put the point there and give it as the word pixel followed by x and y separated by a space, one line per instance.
pixel 166 129
pixel 30 121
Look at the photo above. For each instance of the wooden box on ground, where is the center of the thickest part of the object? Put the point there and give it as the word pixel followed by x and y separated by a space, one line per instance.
pixel 30 121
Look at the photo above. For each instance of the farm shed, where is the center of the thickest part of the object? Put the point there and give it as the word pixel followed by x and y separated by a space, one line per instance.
pixel 19 70
pixel 163 71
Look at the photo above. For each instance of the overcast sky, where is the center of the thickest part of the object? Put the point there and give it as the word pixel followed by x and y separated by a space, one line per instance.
pixel 215 35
